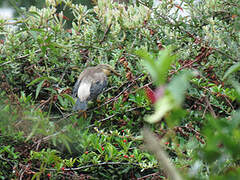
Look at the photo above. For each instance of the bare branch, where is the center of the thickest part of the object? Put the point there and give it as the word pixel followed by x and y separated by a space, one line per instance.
pixel 152 144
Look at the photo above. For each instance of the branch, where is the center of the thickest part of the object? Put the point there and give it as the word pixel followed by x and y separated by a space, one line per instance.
pixel 152 144
pixel 149 175
pixel 101 120
pixel 105 33
pixel 210 107
pixel 92 165
pixel 26 55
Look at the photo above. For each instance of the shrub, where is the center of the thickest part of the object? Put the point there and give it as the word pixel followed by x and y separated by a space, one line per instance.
pixel 172 71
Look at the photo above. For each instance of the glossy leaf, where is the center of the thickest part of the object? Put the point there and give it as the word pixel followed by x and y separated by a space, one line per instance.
pixel 41 79
pixel 39 86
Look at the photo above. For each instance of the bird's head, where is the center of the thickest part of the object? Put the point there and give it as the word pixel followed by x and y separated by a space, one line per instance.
pixel 107 69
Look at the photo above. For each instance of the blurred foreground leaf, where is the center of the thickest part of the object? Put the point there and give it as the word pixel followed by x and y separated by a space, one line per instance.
pixel 157 66
pixel 231 70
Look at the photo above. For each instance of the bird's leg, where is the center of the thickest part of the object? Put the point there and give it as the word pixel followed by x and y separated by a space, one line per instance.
pixel 98 101
pixel 82 113
pixel 85 115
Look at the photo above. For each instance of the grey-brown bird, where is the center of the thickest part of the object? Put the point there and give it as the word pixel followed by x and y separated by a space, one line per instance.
pixel 91 82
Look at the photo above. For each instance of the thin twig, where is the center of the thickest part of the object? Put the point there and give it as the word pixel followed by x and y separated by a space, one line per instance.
pixel 150 83
pixel 109 117
pixel 107 90
pixel 59 109
pixel 7 160
pixel 219 107
pixel 101 120
pixel 210 107
pixel 149 175
pixel 23 171
pixel 105 33
pixel 93 165
pixel 63 74
pixel 229 102
pixel 204 112
pixel 5 63
pixel 134 108
pixel 152 144
pixel 24 56
pixel 42 104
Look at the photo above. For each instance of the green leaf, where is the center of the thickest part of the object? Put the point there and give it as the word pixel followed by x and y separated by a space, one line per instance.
pixel 65 140
pixel 236 85
pixel 34 129
pixel 149 62
pixel 37 30
pixel 166 59
pixel 61 100
pixel 36 175
pixel 178 86
pixel 231 70
pixel 68 97
pixel 173 98
pixel 36 81
pixel 39 88
pixel 34 13
pixel 157 66
pixel 163 106
pixel 42 78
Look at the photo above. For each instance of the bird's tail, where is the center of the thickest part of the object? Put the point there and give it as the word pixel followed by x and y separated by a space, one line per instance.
pixel 80 105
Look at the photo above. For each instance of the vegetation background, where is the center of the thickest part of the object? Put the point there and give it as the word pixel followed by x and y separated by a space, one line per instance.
pixel 173 114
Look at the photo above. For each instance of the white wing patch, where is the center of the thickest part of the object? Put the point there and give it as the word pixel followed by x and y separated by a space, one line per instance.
pixel 84 91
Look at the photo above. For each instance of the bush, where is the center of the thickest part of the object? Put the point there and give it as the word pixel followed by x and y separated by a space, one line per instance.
pixel 172 71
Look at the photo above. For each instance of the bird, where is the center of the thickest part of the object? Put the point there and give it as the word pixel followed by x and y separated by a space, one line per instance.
pixel 90 83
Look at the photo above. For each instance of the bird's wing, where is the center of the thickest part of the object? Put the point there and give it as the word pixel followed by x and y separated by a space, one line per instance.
pixel 80 77
pixel 90 84
pixel 75 88
pixel 98 86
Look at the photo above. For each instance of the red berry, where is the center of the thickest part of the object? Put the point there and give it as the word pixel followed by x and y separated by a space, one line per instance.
pixel 126 156
pixel 132 156
pixel 49 175
pixel 124 140
pixel 103 148
pixel 86 152
pixel 62 168
pixel 166 143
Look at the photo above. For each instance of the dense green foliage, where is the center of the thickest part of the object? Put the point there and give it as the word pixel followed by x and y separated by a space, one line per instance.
pixel 191 62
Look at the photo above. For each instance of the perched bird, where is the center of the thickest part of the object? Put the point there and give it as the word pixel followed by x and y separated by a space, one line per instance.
pixel 91 82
